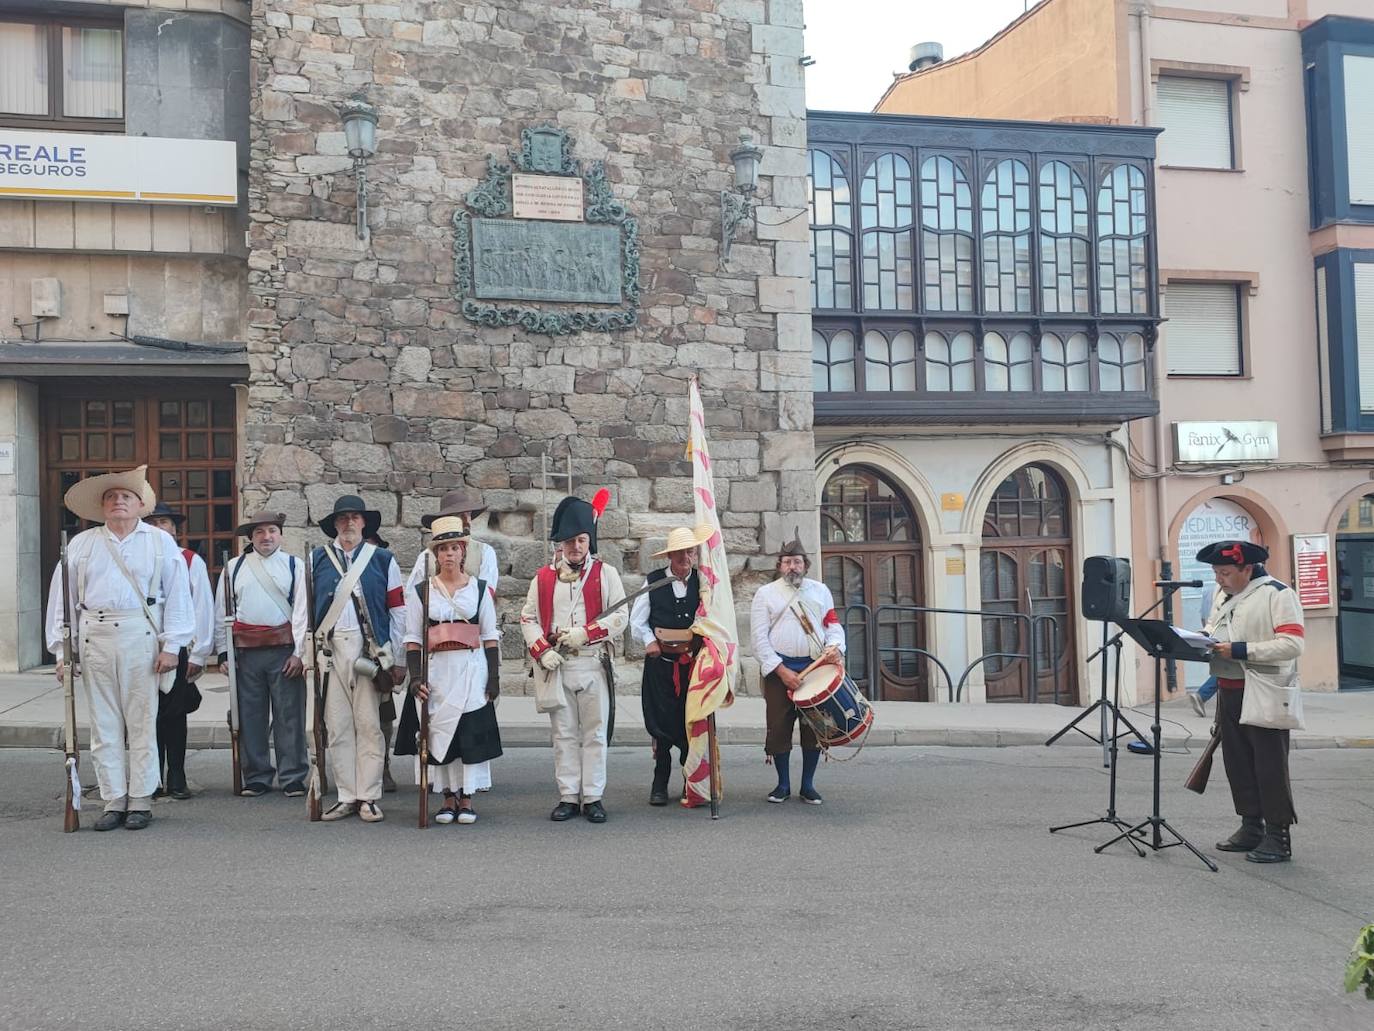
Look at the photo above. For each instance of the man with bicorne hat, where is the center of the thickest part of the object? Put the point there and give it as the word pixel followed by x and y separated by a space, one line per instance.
pixel 132 616
pixel 360 633
pixel 265 589
pixel 1258 622
pixel 793 623
pixel 571 645
pixel 661 621
pixel 184 697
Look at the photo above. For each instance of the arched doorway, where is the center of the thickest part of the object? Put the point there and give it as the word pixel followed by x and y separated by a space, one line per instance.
pixel 1024 570
pixel 871 562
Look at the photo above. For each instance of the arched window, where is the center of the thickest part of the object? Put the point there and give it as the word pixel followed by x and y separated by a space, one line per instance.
pixel 1121 362
pixel 1064 363
pixel 832 274
pixel 1065 242
pixel 949 362
pixel 1123 273
pixel 832 361
pixel 889 364
pixel 1006 237
pixel 1007 363
pixel 860 506
pixel 946 236
pixel 885 200
pixel 1031 502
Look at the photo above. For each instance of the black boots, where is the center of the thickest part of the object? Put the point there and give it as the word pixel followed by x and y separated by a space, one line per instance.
pixel 1275 847
pixel 1249 836
pixel 564 811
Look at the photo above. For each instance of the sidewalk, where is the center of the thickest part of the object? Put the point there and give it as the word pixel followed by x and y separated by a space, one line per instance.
pixel 31 717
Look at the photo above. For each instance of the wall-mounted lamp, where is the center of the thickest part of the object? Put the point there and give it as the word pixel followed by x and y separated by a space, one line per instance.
pixel 737 208
pixel 360 136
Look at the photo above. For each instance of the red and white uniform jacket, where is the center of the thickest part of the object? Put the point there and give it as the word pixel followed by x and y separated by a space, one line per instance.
pixel 557 601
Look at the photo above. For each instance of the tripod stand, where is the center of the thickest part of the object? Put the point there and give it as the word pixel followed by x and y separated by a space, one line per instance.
pixel 1111 819
pixel 1159 639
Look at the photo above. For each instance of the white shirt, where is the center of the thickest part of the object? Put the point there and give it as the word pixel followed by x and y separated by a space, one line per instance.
pixel 486 569
pixel 460 607
pixel 348 618
pixel 639 611
pixel 252 603
pixel 787 637
pixel 98 583
pixel 203 602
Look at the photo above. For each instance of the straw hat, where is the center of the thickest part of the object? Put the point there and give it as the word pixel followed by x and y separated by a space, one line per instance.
pixel 83 498
pixel 683 539
pixel 446 530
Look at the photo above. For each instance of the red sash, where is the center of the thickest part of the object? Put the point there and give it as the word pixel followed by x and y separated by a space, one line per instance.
pixel 188 555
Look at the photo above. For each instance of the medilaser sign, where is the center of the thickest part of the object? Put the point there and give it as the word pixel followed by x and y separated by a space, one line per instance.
pixel 93 166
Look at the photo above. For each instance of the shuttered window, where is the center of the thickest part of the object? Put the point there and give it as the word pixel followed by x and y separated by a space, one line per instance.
pixel 1202 335
pixel 1364 332
pixel 1359 127
pixel 1196 117
pixel 1323 350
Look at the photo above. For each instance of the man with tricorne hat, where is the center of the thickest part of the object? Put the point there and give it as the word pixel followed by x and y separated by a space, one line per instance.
pixel 184 697
pixel 360 632
pixel 661 621
pixel 264 588
pixel 793 623
pixel 1258 622
pixel 132 611
pixel 572 645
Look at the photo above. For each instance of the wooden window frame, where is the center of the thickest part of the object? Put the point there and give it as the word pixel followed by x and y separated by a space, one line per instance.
pixel 55 119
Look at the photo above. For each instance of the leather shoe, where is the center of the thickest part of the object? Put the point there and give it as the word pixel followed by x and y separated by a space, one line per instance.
pixel 137 820
pixel 563 811
pixel 178 789
pixel 658 795
pixel 596 812
pixel 109 820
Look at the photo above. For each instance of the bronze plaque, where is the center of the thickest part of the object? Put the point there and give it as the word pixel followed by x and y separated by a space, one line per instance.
pixel 545 261
pixel 556 197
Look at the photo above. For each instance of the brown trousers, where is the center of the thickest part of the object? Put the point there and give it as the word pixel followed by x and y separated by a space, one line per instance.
pixel 1256 761
pixel 781 715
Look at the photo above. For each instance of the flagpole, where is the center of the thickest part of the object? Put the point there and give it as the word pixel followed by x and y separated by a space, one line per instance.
pixel 713 754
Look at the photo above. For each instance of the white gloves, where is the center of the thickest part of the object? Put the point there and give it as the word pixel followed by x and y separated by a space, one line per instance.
pixel 551 660
pixel 574 637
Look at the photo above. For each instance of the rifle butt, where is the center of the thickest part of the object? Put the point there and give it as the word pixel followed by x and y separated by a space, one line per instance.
pixel 312 805
pixel 71 819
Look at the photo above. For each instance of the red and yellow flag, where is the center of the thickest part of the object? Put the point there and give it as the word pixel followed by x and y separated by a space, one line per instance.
pixel 712 685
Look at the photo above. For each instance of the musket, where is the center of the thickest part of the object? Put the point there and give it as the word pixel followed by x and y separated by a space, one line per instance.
pixel 71 821
pixel 423 749
pixel 319 781
pixel 233 674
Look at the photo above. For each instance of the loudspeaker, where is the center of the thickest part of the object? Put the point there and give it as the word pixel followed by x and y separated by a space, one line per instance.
pixel 1106 590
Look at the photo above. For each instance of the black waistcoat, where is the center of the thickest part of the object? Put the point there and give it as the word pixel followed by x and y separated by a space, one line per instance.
pixel 666 609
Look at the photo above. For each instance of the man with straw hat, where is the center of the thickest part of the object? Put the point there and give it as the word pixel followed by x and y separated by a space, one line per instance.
pixel 132 615
pixel 661 621
pixel 360 627
pixel 270 628
pixel 184 697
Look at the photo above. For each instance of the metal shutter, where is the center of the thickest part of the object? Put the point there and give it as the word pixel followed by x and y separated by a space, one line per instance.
pixel 1202 336
pixel 1364 332
pixel 1359 127
pixel 1323 350
pixel 1196 117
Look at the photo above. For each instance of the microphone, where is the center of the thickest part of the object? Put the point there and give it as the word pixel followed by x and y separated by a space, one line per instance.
pixel 1178 583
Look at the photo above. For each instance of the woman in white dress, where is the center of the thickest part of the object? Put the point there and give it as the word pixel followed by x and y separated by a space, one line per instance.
pixel 464 676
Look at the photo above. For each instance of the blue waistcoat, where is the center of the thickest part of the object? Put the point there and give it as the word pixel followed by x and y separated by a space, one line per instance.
pixel 373 584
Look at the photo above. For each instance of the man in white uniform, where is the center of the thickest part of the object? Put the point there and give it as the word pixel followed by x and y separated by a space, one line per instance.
pixel 793 623
pixel 571 645
pixel 132 611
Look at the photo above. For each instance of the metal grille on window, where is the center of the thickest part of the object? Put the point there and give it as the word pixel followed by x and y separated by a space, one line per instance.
pixel 1006 237
pixel 946 236
pixel 1065 241
pixel 832 273
pixel 1007 364
pixel 832 361
pixel 1064 363
pixel 1121 362
pixel 1122 267
pixel 885 200
pixel 889 365
pixel 949 363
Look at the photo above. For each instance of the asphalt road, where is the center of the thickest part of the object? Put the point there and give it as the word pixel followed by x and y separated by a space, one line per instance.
pixel 925 893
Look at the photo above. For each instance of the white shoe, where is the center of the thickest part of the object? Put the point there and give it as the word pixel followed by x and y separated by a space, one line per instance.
pixel 1199 706
pixel 370 812
pixel 466 816
pixel 444 816
pixel 339 811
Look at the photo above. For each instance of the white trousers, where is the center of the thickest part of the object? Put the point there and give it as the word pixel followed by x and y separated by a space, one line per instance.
pixel 353 721
pixel 579 731
pixel 117 652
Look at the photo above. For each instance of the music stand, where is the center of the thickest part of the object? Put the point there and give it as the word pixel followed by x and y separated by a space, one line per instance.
pixel 1160 641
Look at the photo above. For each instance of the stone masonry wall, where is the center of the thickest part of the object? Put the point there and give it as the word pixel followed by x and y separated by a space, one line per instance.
pixel 367 378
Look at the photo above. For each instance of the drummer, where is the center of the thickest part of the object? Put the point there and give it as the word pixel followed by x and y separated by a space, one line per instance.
pixel 794 624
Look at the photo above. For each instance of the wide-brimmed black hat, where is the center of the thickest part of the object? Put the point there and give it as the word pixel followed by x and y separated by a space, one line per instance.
pixel 161 511
pixel 456 502
pixel 277 519
pixel 1233 553
pixel 372 519
pixel 571 517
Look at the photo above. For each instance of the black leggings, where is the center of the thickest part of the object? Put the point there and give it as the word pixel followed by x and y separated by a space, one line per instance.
pixel 171 727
